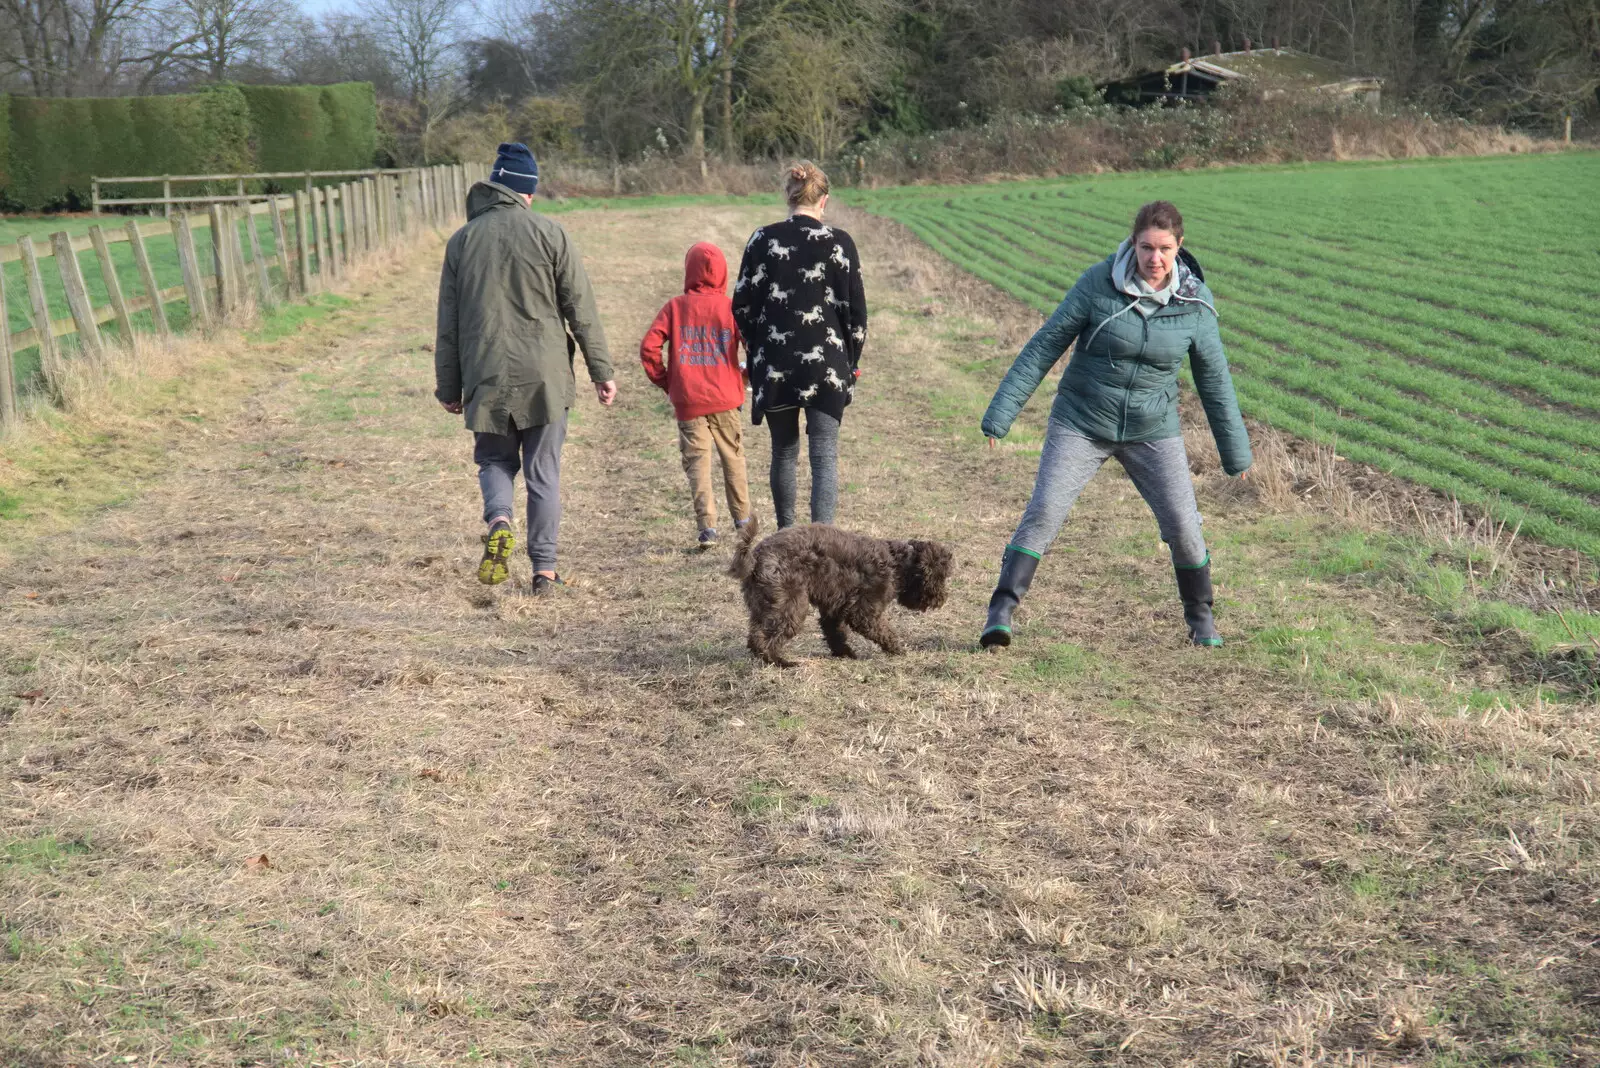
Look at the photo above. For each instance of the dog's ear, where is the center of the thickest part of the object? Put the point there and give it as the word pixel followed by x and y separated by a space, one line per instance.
pixel 935 562
pixel 924 569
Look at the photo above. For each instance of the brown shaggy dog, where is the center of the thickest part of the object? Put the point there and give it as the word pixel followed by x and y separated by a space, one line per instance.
pixel 849 578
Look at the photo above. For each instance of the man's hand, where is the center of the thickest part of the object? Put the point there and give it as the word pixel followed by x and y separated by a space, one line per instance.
pixel 453 407
pixel 606 392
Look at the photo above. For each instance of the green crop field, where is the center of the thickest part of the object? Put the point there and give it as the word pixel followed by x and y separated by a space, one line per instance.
pixel 1439 320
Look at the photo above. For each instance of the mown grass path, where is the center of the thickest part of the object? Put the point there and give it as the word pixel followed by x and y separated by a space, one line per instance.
pixel 289 787
pixel 1433 318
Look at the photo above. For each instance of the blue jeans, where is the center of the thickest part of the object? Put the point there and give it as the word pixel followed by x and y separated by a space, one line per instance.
pixel 537 452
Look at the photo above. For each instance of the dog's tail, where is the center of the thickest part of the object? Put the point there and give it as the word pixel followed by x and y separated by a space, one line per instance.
pixel 744 552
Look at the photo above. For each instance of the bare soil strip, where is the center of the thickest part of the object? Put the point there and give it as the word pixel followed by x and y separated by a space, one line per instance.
pixel 283 784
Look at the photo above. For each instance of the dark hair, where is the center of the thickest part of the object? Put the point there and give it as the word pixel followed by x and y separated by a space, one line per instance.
pixel 1158 215
pixel 804 184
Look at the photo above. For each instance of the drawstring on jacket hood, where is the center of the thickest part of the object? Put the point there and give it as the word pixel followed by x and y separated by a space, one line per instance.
pixel 1183 285
pixel 1125 276
pixel 705 270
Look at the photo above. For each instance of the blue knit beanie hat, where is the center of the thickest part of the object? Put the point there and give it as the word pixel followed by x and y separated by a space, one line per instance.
pixel 516 169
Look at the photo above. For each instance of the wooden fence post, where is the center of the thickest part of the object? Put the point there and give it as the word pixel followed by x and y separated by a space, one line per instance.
pixel 77 294
pixel 108 272
pixel 347 225
pixel 147 276
pixel 219 259
pixel 8 370
pixel 350 215
pixel 189 261
pixel 391 207
pixel 389 210
pixel 335 263
pixel 49 354
pixel 358 209
pixel 379 187
pixel 241 279
pixel 369 200
pixel 263 278
pixel 166 194
pixel 280 239
pixel 302 248
pixel 319 222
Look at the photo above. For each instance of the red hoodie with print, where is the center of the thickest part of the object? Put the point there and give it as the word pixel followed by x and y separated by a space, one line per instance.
pixel 700 367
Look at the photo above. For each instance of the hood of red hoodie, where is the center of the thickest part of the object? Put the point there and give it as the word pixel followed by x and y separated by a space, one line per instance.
pixel 705 270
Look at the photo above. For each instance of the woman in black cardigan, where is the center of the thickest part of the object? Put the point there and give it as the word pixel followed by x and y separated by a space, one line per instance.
pixel 802 312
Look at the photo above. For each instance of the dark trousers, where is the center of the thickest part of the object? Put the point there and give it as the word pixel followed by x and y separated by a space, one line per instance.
pixel 537 452
pixel 822 438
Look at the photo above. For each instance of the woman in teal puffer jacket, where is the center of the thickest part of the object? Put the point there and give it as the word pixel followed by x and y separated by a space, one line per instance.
pixel 1134 317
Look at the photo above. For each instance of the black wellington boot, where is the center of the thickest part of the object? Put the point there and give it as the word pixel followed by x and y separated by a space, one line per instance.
pixel 1016 575
pixel 1194 586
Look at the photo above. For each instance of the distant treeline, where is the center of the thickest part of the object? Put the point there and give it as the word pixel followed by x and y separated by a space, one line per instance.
pixel 759 78
pixel 50 148
pixel 618 82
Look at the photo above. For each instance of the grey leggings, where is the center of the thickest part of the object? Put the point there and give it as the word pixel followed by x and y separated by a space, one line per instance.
pixel 822 436
pixel 1159 469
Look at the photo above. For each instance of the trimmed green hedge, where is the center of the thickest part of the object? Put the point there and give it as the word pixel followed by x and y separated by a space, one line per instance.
pixel 51 148
pixel 352 109
pixel 290 127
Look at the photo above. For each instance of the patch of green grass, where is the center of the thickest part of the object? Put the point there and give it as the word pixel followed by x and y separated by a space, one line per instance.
pixel 10 505
pixel 759 797
pixel 46 853
pixel 287 319
pixel 1367 885
pixel 1061 662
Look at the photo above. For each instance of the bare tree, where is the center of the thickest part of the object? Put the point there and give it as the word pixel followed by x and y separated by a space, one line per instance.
pixel 422 39
pixel 77 47
pixel 338 47
pixel 223 32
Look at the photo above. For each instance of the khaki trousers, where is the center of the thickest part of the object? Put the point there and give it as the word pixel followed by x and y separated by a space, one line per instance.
pixel 723 432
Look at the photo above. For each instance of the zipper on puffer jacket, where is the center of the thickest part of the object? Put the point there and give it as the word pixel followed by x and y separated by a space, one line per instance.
pixel 1127 387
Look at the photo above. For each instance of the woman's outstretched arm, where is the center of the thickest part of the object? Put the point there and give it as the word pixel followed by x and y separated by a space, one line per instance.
pixel 1214 383
pixel 1035 360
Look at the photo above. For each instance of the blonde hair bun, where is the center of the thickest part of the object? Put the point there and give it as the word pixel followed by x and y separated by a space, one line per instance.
pixel 806 184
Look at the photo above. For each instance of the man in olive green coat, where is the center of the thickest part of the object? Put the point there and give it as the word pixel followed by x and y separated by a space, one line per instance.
pixel 514 304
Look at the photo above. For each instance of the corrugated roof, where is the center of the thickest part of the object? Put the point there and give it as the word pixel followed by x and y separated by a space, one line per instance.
pixel 1282 65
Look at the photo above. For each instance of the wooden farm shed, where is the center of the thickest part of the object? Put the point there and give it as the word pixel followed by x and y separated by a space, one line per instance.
pixel 1196 78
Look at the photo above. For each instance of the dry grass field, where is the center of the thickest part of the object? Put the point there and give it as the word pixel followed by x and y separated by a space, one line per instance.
pixel 284 785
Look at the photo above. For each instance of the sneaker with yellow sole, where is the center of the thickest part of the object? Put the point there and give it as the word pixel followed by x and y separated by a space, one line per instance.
pixel 498 544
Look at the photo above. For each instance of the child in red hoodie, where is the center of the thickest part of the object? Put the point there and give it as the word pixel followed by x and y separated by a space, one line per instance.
pixel 705 381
